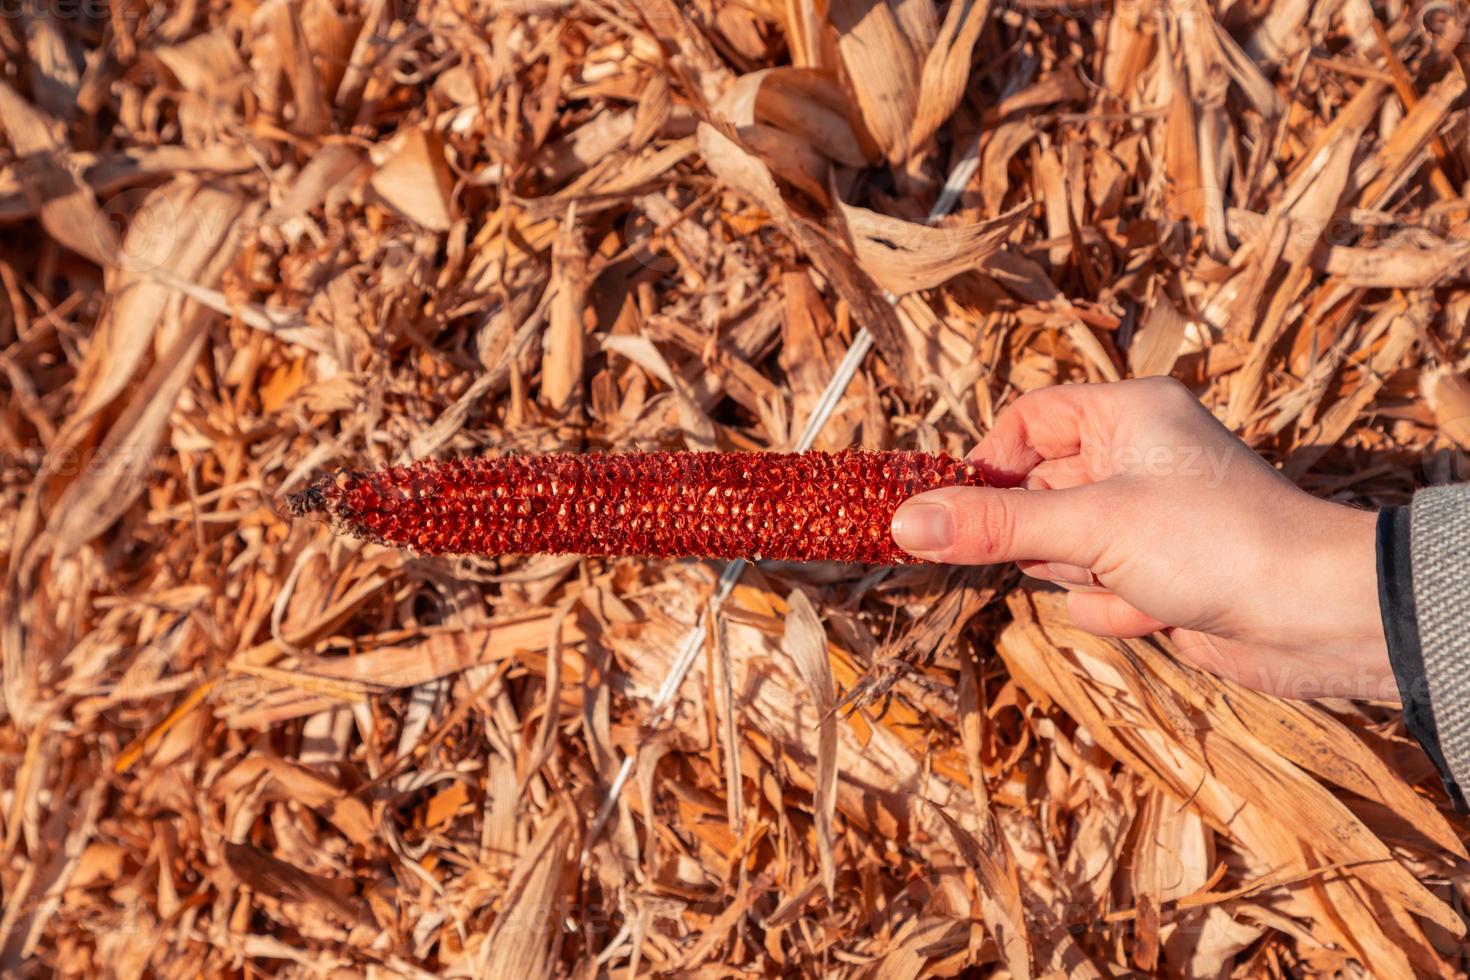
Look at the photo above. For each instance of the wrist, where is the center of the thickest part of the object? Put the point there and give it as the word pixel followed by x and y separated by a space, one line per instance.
pixel 1352 627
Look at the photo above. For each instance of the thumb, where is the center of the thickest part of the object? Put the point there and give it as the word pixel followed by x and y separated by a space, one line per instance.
pixel 986 525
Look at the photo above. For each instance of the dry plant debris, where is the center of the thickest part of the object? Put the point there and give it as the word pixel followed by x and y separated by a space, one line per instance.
pixel 249 242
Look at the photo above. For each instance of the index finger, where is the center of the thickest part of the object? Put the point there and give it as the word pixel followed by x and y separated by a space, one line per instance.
pixel 1048 423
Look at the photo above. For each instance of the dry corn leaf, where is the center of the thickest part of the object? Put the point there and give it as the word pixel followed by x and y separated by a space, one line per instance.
pixel 66 205
pixel 561 349
pixel 1448 395
pixel 743 171
pixel 415 180
pixel 881 69
pixel 1158 343
pixel 905 257
pixel 805 643
pixel 208 64
pixel 297 52
pixel 805 105
pixel 947 69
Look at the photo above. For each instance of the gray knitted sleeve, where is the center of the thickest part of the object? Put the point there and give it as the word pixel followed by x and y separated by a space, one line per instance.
pixel 1439 550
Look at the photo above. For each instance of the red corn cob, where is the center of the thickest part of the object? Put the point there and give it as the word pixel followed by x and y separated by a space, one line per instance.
pixel 790 506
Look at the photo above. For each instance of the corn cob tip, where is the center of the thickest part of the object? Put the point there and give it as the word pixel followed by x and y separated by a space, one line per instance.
pixel 306 503
pixel 322 501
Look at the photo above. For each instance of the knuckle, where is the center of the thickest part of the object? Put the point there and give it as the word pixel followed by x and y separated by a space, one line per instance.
pixel 1038 401
pixel 1031 397
pixel 1012 418
pixel 992 528
pixel 1172 390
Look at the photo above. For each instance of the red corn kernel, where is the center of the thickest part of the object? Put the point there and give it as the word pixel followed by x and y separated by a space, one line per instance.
pixel 809 506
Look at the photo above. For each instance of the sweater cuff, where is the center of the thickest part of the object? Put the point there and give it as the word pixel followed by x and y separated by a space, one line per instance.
pixel 1401 628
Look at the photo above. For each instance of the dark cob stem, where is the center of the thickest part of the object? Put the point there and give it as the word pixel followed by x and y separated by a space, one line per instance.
pixel 789 506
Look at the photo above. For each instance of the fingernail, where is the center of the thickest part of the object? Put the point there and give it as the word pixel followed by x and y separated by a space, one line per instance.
pixel 919 528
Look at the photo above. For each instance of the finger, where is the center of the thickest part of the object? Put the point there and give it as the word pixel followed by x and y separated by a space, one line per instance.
pixel 1107 615
pixel 985 525
pixel 1069 587
pixel 1049 423
pixel 1058 474
pixel 1068 420
pixel 1201 650
pixel 1061 573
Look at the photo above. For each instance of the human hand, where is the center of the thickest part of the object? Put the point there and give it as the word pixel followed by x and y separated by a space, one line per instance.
pixel 1154 516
